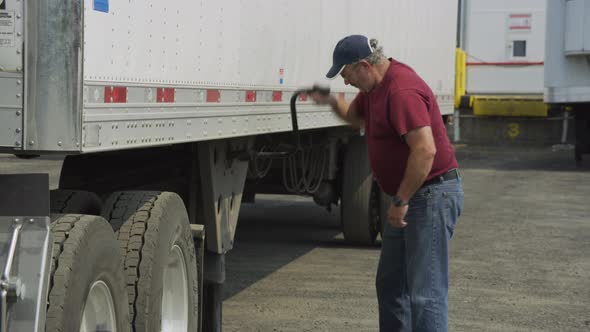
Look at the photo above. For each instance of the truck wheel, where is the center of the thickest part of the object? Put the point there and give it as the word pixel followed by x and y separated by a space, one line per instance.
pixel 159 258
pixel 74 201
pixel 358 211
pixel 87 284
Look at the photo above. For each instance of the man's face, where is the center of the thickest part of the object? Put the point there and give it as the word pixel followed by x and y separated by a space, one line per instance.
pixel 356 74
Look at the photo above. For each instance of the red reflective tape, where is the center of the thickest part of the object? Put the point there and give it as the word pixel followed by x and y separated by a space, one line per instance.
pixel 170 95
pixel 250 96
pixel 213 96
pixel 115 94
pixel 165 95
pixel 303 97
pixel 108 94
pixel 277 96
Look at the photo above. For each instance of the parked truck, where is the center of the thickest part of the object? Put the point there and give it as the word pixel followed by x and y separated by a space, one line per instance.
pixel 170 115
pixel 567 65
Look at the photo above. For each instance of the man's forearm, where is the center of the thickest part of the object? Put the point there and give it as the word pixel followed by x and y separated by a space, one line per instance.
pixel 341 107
pixel 417 170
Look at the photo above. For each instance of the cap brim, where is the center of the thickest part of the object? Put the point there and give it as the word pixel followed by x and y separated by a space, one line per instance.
pixel 334 71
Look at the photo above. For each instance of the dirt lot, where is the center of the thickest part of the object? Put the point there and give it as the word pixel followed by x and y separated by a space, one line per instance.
pixel 520 257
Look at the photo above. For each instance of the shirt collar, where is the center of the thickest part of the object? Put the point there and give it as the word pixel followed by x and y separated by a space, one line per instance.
pixel 387 78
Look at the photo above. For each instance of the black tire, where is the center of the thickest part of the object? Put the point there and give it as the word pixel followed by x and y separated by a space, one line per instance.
pixel 148 225
pixel 84 251
pixel 74 201
pixel 359 222
pixel 121 205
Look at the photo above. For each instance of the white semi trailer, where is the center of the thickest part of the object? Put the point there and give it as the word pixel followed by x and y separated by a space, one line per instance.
pixel 567 64
pixel 504 44
pixel 170 114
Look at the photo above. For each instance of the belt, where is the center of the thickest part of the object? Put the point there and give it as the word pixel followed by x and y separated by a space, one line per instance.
pixel 450 175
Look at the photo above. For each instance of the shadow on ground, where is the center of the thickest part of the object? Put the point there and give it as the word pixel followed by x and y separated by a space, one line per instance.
pixel 275 231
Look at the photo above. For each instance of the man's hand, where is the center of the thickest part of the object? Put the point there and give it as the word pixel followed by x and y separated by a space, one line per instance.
pixel 397 215
pixel 343 109
pixel 322 99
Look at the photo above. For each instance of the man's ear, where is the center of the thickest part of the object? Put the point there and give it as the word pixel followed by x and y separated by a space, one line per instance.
pixel 365 64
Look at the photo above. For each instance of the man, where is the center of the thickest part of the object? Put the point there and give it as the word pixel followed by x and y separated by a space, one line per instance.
pixel 414 162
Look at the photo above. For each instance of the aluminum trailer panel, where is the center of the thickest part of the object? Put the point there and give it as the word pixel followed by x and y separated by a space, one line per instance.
pixel 567 64
pixel 505 45
pixel 112 75
pixel 11 73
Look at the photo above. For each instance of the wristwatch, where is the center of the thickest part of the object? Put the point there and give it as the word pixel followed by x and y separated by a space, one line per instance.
pixel 397 201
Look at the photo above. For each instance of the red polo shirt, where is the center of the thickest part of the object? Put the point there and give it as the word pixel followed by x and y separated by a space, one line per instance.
pixel 400 103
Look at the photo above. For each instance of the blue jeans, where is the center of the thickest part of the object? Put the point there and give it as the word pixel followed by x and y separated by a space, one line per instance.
pixel 413 274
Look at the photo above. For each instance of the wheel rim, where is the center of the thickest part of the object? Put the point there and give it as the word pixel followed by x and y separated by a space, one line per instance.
pixel 99 310
pixel 175 293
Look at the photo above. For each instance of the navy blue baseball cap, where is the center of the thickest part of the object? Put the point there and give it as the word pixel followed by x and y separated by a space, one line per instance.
pixel 349 50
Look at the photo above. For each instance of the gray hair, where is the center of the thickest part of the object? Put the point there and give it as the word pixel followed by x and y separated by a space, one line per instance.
pixel 377 56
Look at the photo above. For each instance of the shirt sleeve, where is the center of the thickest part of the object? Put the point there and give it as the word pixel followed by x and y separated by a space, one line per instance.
pixel 359 103
pixel 408 111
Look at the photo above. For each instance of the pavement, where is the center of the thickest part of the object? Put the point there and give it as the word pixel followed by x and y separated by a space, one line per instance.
pixel 520 257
